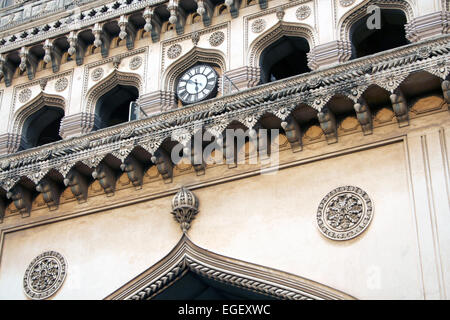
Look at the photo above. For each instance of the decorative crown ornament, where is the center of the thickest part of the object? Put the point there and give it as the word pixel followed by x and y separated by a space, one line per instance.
pixel 184 208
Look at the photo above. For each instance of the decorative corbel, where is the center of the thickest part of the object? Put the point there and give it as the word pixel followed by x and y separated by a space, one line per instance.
pixel 164 165
pixel 293 133
pixel 446 90
pixel 328 124
pixel 205 10
pixel 2 209
pixel 400 108
pixel 152 24
pixel 233 6
pixel 263 4
pixel 22 199
pixel 102 39
pixel 127 31
pixel 6 70
pixel 135 171
pixel 50 192
pixel 77 48
pixel 364 116
pixel 78 185
pixel 197 160
pixel 28 62
pixel 106 177
pixel 177 16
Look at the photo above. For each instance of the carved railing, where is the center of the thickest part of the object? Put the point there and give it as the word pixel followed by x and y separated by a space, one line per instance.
pixel 351 79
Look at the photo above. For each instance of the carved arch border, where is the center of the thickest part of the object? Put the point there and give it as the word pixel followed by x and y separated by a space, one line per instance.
pixel 22 114
pixel 113 79
pixel 276 32
pixel 193 56
pixel 348 19
pixel 186 256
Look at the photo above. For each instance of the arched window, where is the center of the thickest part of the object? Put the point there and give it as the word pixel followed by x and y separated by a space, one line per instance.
pixel 391 33
pixel 41 127
pixel 284 58
pixel 113 107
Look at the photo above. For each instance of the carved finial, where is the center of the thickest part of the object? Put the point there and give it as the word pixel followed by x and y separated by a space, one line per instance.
pixel 195 38
pixel 116 62
pixel 280 13
pixel 184 208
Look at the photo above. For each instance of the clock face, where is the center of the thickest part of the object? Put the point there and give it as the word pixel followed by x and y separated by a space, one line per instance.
pixel 197 84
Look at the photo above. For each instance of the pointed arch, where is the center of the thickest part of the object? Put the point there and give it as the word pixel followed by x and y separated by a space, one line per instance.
pixel 360 11
pixel 113 79
pixel 276 32
pixel 188 257
pixel 190 58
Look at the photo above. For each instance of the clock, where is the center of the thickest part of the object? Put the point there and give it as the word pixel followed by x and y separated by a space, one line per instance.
pixel 197 84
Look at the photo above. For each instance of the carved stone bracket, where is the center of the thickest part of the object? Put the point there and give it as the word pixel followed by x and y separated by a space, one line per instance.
pixel 293 133
pixel 135 171
pixel 22 199
pixel 205 9
pixel 106 177
pixel 364 116
pixel 163 164
pixel 400 108
pixel 78 184
pixel 327 122
pixel 50 192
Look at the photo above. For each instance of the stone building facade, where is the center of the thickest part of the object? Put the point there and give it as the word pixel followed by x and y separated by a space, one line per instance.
pixel 348 196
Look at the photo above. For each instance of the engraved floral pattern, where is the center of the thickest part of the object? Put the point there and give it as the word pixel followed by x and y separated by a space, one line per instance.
pixel 97 74
pixel 45 275
pixel 344 213
pixel 24 95
pixel 258 25
pixel 217 38
pixel 174 51
pixel 61 84
pixel 135 63
pixel 346 3
pixel 303 12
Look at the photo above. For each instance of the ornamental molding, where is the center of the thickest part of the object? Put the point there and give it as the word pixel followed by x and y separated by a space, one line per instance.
pixel 44 275
pixel 303 12
pixel 347 78
pixel 61 84
pixel 188 257
pixel 71 22
pixel 24 95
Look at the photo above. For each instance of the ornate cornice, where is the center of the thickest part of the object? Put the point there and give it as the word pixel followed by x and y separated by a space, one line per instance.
pixel 387 69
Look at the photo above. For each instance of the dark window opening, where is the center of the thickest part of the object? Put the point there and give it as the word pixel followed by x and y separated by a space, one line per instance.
pixel 284 58
pixel 113 107
pixel 391 35
pixel 42 127
pixel 195 287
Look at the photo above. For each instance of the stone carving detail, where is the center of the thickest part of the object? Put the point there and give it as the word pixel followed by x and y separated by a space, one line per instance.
pixel 61 84
pixel 258 25
pixel 174 51
pixel 184 208
pixel 24 95
pixel 344 213
pixel 346 3
pixel 45 275
pixel 303 12
pixel 135 63
pixel 97 74
pixel 217 38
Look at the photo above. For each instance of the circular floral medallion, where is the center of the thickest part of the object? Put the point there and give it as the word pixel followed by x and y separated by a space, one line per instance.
pixel 24 95
pixel 174 51
pixel 346 3
pixel 303 12
pixel 45 275
pixel 97 74
pixel 258 25
pixel 61 84
pixel 344 213
pixel 216 38
pixel 135 63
